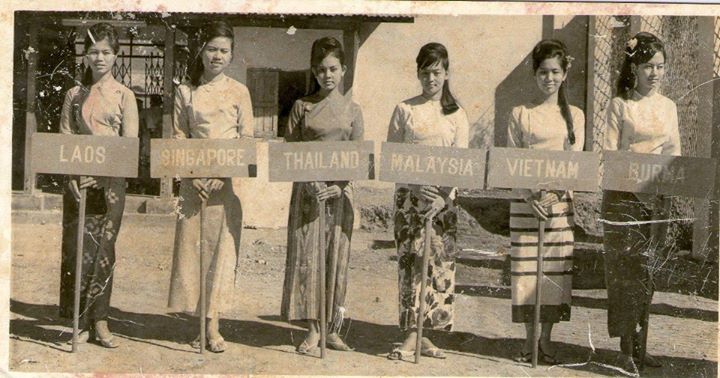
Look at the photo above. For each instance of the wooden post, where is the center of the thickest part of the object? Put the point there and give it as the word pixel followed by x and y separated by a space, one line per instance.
pixel 590 86
pixel 203 279
pixel 78 267
pixel 548 26
pixel 323 288
pixel 166 184
pixel 351 43
pixel 337 230
pixel 30 119
pixel 423 288
pixel 538 290
pixel 704 229
pixel 635 25
pixel 715 205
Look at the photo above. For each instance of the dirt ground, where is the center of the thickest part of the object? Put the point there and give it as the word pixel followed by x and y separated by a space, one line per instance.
pixel 683 327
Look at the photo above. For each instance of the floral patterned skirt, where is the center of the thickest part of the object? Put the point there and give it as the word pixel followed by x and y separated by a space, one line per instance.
pixel 410 242
pixel 103 215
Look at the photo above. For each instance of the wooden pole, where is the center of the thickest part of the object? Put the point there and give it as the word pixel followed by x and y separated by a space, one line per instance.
pixel 203 279
pixel 423 288
pixel 538 290
pixel 323 288
pixel 31 101
pixel 166 184
pixel 78 268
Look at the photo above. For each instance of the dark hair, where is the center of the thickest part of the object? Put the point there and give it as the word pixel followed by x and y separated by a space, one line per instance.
pixel 429 55
pixel 548 49
pixel 208 32
pixel 640 49
pixel 321 49
pixel 94 34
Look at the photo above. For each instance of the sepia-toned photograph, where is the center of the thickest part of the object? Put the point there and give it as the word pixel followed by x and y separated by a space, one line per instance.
pixel 385 189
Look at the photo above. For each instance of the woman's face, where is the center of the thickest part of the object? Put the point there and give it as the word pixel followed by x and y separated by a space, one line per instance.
pixel 550 75
pixel 432 78
pixel 101 57
pixel 650 74
pixel 329 73
pixel 216 55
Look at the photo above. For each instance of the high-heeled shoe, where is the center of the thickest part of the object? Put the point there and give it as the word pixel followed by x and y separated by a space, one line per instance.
pixel 305 348
pixel 110 342
pixel 335 342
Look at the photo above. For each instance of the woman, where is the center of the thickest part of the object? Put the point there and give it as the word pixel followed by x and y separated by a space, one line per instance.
pixel 213 106
pixel 433 118
pixel 325 115
pixel 99 106
pixel 641 120
pixel 548 123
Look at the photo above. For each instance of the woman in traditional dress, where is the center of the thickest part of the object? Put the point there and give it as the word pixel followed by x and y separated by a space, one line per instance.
pixel 547 123
pixel 432 118
pixel 212 106
pixel 325 115
pixel 99 106
pixel 640 120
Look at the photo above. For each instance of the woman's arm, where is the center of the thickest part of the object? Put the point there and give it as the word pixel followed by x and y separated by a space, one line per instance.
pixel 672 146
pixel 181 124
pixel 246 120
pixel 293 132
pixel 396 129
pixel 66 115
pixel 613 132
pixel 130 117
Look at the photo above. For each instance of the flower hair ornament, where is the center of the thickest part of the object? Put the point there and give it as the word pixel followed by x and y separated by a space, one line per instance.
pixel 92 38
pixel 631 45
pixel 569 59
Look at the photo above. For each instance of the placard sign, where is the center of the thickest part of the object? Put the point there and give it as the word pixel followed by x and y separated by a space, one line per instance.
pixel 191 158
pixel 320 161
pixel 70 154
pixel 432 165
pixel 658 174
pixel 524 168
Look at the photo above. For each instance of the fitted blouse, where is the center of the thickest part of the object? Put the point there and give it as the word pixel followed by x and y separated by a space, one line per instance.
pixel 106 108
pixel 330 118
pixel 543 127
pixel 643 124
pixel 421 121
pixel 218 109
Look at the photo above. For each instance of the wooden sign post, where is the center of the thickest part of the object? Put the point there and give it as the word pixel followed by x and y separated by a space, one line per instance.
pixel 89 155
pixel 200 158
pixel 321 161
pixel 658 174
pixel 430 165
pixel 542 170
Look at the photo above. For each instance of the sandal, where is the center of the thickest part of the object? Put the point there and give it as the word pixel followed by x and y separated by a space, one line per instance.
pixel 650 361
pixel 548 359
pixel 83 337
pixel 195 344
pixel 335 342
pixel 305 348
pixel 523 357
pixel 433 352
pixel 110 342
pixel 398 354
pixel 216 345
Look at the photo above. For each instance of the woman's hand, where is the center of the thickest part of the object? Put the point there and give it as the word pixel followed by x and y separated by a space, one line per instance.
pixel 430 193
pixel 201 186
pixel 434 208
pixel 538 210
pixel 549 199
pixel 83 182
pixel 332 191
pixel 213 185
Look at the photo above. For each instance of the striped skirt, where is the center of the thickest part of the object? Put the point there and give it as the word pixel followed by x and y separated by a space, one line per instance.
pixel 557 265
